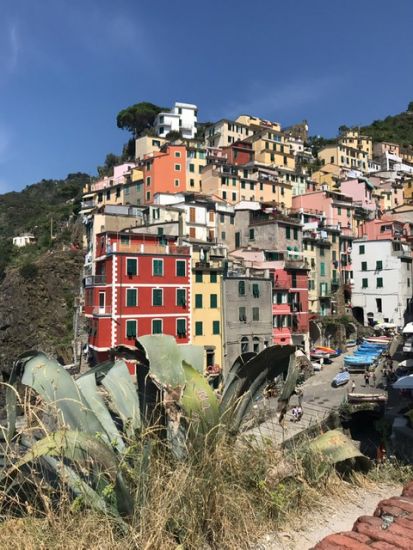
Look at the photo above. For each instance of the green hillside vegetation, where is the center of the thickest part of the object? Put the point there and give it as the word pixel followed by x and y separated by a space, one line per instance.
pixel 396 128
pixel 38 208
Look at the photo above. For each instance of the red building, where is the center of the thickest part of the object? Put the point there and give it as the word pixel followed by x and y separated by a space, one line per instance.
pixel 239 153
pixel 290 304
pixel 164 171
pixel 141 286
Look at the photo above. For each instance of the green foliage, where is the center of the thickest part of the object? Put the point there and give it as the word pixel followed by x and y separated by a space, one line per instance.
pixel 138 118
pixel 173 135
pixel 318 142
pixel 29 271
pixel 111 161
pixel 396 128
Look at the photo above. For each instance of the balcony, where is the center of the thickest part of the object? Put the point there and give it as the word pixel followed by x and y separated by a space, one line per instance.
pixel 94 280
pixel 104 311
pixel 87 205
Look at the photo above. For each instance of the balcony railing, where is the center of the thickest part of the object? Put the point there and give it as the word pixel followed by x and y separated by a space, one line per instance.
pixel 104 311
pixel 85 205
pixel 95 280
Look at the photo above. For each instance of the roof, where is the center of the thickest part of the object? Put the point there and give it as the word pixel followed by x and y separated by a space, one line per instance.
pixel 391 526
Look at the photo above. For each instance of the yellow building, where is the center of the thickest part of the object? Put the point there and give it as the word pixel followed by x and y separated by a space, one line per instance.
pixel 329 175
pixel 407 189
pixel 196 160
pixel 272 149
pixel 256 122
pixel 206 304
pixel 345 157
pixel 246 183
pixel 354 140
pixel 147 145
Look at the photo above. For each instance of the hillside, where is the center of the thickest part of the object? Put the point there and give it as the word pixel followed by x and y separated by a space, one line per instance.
pixel 396 128
pixel 38 209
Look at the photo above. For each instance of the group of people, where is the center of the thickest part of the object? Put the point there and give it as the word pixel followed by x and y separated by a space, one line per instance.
pixel 297 413
pixel 370 376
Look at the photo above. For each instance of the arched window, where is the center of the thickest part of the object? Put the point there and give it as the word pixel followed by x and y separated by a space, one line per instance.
pixel 256 344
pixel 245 345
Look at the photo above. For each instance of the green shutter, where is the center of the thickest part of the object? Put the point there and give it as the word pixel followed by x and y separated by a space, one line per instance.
pixel 198 328
pixel 131 297
pixel 379 265
pixel 213 277
pixel 181 297
pixel 157 297
pixel 363 266
pixel 198 276
pixel 295 233
pixel 215 327
pixel 131 266
pixel 198 300
pixel 158 267
pixel 180 268
pixel 213 300
pixel 288 233
pixel 256 290
pixel 379 282
pixel 181 327
pixel 361 249
pixel 241 288
pixel 322 269
pixel 157 326
pixel 130 329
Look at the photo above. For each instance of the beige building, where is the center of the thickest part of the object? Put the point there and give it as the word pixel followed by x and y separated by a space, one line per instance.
pixel 344 156
pixel 272 149
pixel 257 123
pixel 224 132
pixel 354 140
pixel 195 162
pixel 147 145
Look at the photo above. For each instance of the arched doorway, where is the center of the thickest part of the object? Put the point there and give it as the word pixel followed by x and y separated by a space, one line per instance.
pixel 358 314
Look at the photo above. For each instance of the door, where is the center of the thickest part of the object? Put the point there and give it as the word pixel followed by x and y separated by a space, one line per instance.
pixel 237 240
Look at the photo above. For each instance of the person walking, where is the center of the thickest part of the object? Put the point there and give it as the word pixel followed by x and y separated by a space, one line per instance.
pixel 374 377
pixel 367 378
pixel 353 386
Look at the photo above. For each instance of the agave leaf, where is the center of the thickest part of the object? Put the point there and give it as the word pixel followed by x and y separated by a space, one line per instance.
pixel 55 385
pixel 165 360
pixel 125 400
pixel 193 355
pixel 89 391
pixel 84 449
pixel 199 401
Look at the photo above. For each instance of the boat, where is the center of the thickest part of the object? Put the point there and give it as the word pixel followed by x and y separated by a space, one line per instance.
pixel 378 340
pixel 340 379
pixel 332 352
pixel 319 355
pixel 351 343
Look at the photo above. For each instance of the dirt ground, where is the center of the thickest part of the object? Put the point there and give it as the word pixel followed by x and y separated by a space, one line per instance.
pixel 336 515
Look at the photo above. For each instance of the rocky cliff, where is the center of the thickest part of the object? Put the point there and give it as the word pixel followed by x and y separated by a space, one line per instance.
pixel 37 307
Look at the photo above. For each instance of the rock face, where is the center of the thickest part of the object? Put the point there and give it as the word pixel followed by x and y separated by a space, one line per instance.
pixel 36 307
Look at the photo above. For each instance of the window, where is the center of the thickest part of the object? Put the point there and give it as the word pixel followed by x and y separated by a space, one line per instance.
pixel 213 277
pixel 234 196
pixel 131 266
pixel 178 154
pixel 339 211
pixel 177 182
pixel 130 328
pixel 224 194
pixel 334 238
pixel 322 269
pixel 364 283
pixel 256 344
pixel 321 251
pixel 379 282
pixel 255 313
pixel 125 240
pixel 379 305
pixel 251 234
pixel 198 300
pixel 198 328
pixel 256 290
pixel 192 167
pixel 288 233
pixel 180 268
pixel 177 167
pixel 131 297
pixel 148 180
pixel 148 196
pixel 157 268
pixel 181 327
pixel 108 194
pixel 408 282
pixel 379 265
pixel 157 326
pixel 213 301
pixel 361 249
pixel 181 297
pixel 363 266
pixel 192 182
pixel 198 276
pixel 348 212
pixel 242 314
pixel 241 288
pixel 295 233
pixel 157 297
pixel 215 327
pixel 244 344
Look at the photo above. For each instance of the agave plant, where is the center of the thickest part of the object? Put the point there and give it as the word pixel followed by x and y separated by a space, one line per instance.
pixel 88 424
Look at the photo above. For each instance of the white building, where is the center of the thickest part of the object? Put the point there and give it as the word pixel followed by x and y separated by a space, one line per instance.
pixel 182 118
pixel 23 240
pixel 382 281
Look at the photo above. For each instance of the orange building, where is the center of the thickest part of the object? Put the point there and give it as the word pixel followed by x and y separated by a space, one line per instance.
pixel 164 171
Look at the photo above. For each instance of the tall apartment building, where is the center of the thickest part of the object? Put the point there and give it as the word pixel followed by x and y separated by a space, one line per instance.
pixel 181 118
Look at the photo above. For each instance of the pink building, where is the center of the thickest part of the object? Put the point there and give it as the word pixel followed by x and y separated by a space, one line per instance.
pixel 361 191
pixel 383 229
pixel 337 208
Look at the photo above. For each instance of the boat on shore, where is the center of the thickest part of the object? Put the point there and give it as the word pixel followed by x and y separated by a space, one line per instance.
pixel 340 379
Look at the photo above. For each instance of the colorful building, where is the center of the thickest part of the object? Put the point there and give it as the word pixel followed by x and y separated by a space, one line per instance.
pixel 142 285
pixel 344 157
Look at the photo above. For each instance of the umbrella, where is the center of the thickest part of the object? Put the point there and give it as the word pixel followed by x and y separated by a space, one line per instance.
pixel 404 383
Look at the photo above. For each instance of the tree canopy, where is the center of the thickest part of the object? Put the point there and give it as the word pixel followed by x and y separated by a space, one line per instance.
pixel 138 118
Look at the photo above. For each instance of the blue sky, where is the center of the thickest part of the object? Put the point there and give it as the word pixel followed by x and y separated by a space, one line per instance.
pixel 67 67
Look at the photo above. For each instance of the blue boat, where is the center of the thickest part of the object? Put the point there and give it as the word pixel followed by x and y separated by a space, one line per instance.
pixel 340 379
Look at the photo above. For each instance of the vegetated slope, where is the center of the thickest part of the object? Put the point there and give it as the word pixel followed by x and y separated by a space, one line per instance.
pixel 38 283
pixel 396 128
